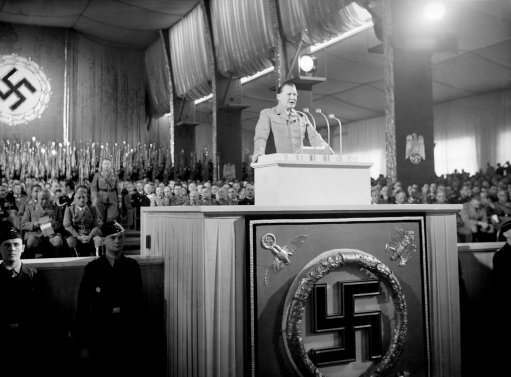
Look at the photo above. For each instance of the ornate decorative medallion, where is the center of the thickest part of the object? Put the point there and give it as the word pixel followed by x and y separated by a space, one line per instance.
pixel 402 246
pixel 299 296
pixel 281 254
pixel 24 90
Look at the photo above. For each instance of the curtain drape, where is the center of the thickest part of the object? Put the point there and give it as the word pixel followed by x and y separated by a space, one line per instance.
pixel 364 141
pixel 108 93
pixel 190 53
pixel 158 78
pixel 473 131
pixel 319 20
pixel 243 34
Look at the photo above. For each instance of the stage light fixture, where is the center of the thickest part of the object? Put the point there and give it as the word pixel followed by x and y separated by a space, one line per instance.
pixel 434 11
pixel 307 63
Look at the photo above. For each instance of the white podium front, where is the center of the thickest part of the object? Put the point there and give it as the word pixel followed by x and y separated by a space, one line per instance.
pixel 303 179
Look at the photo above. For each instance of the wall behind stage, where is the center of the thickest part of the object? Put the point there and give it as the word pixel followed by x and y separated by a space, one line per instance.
pixel 107 93
pixel 106 86
pixel 468 133
pixel 44 46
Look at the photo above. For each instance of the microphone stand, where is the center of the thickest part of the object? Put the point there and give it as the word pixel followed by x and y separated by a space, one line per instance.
pixel 306 111
pixel 318 111
pixel 332 116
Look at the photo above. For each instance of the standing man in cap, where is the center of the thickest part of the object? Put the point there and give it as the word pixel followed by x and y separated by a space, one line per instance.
pixel 109 308
pixel 104 192
pixel 20 327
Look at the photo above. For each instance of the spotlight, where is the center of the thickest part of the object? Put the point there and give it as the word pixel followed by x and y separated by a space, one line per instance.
pixel 307 63
pixel 434 11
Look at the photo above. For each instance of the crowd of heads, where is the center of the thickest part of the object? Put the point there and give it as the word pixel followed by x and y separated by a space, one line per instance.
pixel 485 197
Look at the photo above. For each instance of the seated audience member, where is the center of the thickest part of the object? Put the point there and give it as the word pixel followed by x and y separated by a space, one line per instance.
pixel 474 225
pixel 400 197
pixel 440 197
pixel 149 193
pixel 158 196
pixel 167 196
pixel 43 225
pixel 81 221
pixel 232 196
pixel 205 196
pixel 109 309
pixel 20 313
pixel 375 195
pixel 249 196
pixel 194 198
pixel 502 205
pixel 384 196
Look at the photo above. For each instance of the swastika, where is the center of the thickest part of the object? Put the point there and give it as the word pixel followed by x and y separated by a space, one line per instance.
pixel 346 322
pixel 14 89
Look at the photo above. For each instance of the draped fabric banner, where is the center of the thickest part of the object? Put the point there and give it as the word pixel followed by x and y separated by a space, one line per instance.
pixel 44 49
pixel 158 78
pixel 243 36
pixel 319 20
pixel 108 93
pixel 189 55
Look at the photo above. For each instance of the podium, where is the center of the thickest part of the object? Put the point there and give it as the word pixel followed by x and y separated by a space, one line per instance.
pixel 253 291
pixel 306 179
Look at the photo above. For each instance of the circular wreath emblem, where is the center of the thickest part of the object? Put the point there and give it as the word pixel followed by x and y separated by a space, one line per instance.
pixel 24 90
pixel 299 294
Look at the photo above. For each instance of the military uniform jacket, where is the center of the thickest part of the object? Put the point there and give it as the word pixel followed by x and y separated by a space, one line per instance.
pixel 109 303
pixel 104 188
pixel 80 221
pixel 33 212
pixel 288 131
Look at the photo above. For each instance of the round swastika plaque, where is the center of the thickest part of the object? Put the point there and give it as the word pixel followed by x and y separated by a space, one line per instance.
pixel 24 90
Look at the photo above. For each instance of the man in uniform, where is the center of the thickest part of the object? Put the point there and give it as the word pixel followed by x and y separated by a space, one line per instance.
pixel 20 308
pixel 500 294
pixel 104 192
pixel 286 124
pixel 109 308
pixel 42 222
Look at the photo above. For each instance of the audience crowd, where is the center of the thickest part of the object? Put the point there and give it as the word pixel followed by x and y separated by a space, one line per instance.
pixel 485 197
pixel 62 217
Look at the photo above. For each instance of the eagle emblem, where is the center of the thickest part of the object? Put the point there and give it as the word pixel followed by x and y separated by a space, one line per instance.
pixel 415 150
pixel 281 254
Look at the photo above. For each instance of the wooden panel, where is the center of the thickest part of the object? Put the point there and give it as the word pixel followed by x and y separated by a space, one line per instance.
pixel 444 292
pixel 179 240
pixel 61 281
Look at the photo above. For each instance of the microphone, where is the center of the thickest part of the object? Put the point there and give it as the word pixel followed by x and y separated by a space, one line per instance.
pixel 313 121
pixel 318 111
pixel 332 116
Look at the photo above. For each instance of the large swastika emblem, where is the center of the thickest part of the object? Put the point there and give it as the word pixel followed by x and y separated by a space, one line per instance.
pixel 24 90
pixel 345 322
pixel 14 89
pixel 307 355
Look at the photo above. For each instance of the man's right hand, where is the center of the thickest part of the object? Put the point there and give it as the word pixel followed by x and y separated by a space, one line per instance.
pixel 255 157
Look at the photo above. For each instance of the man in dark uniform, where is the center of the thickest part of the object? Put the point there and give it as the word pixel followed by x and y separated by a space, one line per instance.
pixel 109 309
pixel 501 285
pixel 19 308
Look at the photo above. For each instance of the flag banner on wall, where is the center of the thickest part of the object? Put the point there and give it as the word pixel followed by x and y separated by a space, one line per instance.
pixel 24 90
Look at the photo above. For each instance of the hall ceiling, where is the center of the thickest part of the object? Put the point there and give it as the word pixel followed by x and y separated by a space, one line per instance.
pixel 354 86
pixel 132 23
